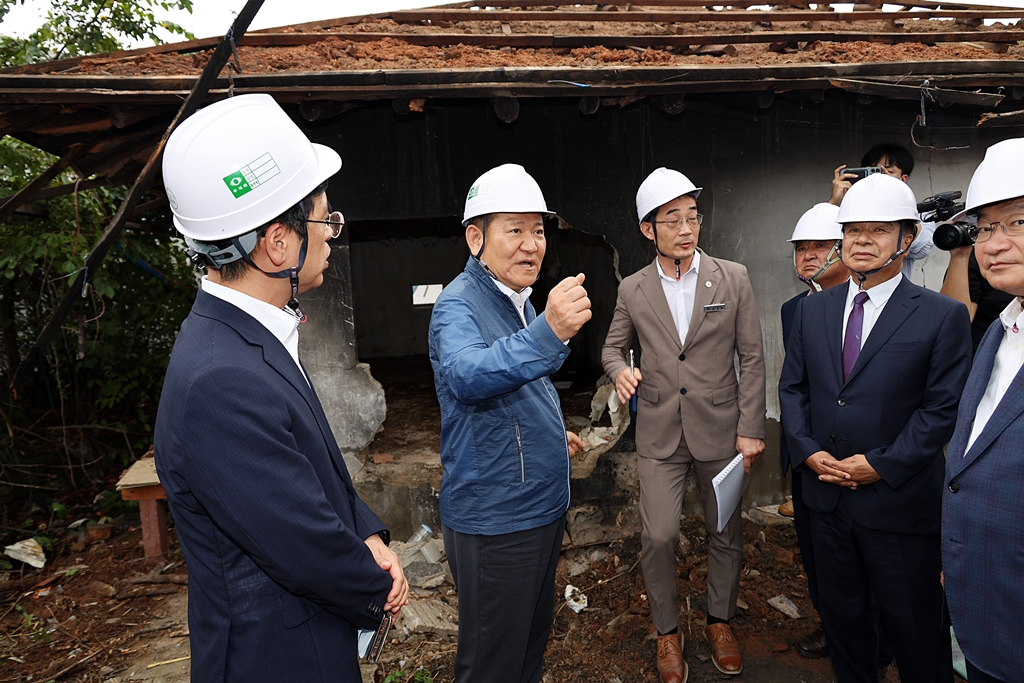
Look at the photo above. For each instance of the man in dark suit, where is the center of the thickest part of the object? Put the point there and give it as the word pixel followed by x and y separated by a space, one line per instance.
pixel 285 562
pixel 982 534
pixel 869 389
pixel 816 242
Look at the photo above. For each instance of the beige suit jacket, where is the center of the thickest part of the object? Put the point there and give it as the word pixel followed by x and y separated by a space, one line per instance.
pixel 690 386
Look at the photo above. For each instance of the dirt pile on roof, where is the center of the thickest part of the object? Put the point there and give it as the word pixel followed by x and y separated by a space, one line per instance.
pixel 337 54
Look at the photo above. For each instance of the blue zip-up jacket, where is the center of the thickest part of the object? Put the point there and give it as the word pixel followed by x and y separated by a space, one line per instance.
pixel 503 444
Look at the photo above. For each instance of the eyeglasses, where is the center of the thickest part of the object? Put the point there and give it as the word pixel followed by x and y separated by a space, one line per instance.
pixel 674 223
pixel 1013 227
pixel 335 220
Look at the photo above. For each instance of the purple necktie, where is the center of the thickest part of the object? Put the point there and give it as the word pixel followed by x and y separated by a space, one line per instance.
pixel 851 344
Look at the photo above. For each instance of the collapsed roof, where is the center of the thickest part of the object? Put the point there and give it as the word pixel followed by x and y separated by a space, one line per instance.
pixel 105 113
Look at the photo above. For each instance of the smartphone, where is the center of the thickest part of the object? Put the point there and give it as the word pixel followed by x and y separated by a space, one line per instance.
pixel 862 172
pixel 372 642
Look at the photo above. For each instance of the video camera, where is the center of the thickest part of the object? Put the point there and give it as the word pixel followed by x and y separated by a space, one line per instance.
pixel 941 207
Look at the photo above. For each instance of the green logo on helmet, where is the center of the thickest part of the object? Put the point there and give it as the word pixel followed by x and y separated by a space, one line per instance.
pixel 252 175
pixel 473 191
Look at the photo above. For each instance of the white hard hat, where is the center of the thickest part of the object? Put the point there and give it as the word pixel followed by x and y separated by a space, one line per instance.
pixel 238 164
pixel 998 177
pixel 878 198
pixel 661 187
pixel 818 223
pixel 504 189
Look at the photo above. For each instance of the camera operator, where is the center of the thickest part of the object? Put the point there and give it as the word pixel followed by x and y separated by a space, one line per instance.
pixel 963 281
pixel 894 160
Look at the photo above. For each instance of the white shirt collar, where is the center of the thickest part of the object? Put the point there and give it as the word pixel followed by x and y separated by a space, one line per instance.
pixel 694 267
pixel 519 299
pixel 879 294
pixel 279 322
pixel 1011 316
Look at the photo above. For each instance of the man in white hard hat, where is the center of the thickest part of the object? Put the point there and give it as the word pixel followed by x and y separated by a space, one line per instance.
pixel 693 315
pixel 895 160
pixel 869 390
pixel 816 240
pixel 982 537
pixel 504 447
pixel 285 562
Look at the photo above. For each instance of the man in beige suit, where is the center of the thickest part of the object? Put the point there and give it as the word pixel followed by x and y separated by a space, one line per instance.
pixel 693 315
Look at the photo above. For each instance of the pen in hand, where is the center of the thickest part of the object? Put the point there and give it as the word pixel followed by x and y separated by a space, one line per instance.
pixel 632 371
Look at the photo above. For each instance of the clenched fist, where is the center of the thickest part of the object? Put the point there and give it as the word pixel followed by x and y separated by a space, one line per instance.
pixel 568 307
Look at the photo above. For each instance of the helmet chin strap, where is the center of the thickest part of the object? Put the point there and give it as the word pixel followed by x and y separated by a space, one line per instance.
pixel 663 254
pixel 480 252
pixel 834 257
pixel 864 275
pixel 291 273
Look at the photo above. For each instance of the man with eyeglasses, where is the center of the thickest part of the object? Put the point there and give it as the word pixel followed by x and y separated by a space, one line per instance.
pixel 868 393
pixel 285 563
pixel 982 537
pixel 692 315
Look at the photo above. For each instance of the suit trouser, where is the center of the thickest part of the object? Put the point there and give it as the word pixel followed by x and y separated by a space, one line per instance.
pixel 976 675
pixel 864 574
pixel 662 484
pixel 802 522
pixel 506 587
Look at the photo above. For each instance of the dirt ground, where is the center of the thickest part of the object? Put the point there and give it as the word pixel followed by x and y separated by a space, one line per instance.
pixel 94 624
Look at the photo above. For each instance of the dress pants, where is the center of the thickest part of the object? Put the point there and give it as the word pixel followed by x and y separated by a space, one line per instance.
pixel 802 522
pixel 506 587
pixel 864 574
pixel 976 675
pixel 662 483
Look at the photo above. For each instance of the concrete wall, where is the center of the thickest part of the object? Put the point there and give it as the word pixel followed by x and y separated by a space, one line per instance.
pixel 761 168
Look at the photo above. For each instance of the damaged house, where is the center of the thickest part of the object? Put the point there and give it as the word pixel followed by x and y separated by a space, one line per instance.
pixel 758 105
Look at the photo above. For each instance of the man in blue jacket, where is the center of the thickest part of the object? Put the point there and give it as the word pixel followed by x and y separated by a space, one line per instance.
pixel 285 562
pixel 982 537
pixel 504 446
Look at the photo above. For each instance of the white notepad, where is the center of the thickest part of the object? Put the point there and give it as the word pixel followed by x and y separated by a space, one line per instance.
pixel 728 487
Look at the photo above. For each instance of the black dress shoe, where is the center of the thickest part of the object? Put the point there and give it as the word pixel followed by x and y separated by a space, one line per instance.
pixel 813 645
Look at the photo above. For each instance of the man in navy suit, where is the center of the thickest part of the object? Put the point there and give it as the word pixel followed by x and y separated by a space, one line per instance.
pixel 285 562
pixel 982 534
pixel 869 390
pixel 816 242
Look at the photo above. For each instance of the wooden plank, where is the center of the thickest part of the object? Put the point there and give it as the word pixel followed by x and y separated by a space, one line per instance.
pixel 154 492
pixel 678 16
pixel 706 3
pixel 42 180
pixel 535 40
pixel 155 541
pixel 909 92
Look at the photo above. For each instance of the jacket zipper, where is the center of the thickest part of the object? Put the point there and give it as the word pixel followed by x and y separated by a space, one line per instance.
pixel 522 462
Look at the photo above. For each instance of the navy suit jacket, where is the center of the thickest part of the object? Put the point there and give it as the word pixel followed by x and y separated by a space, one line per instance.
pixel 279 574
pixel 898 407
pixel 788 316
pixel 982 529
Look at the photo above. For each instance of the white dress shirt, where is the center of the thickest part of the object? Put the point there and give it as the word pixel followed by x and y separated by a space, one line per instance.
pixel 680 294
pixel 280 322
pixel 878 297
pixel 518 299
pixel 1008 360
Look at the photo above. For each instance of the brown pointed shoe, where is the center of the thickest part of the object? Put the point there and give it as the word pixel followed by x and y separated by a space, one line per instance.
pixel 725 651
pixel 671 666
pixel 786 509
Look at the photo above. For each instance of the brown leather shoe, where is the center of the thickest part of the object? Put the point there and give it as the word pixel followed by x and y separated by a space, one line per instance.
pixel 725 651
pixel 786 509
pixel 671 666
pixel 813 645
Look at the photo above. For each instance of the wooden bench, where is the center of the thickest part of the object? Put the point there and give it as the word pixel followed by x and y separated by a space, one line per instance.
pixel 140 482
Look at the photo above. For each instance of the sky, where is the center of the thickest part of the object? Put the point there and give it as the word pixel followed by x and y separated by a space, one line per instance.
pixel 211 18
